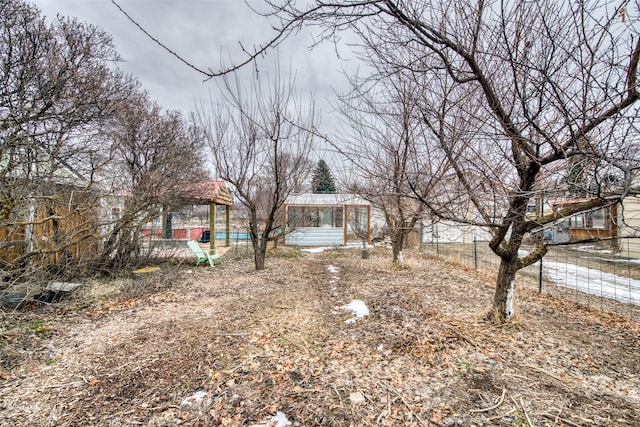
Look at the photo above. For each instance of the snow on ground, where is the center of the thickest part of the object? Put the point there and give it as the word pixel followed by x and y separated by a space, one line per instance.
pixel 594 282
pixel 196 398
pixel 319 250
pixel 358 308
pixel 333 269
pixel 314 250
pixel 592 249
pixel 619 260
pixel 278 420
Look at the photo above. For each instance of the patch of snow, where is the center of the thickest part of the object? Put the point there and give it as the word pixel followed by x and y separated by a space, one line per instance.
pixel 594 282
pixel 593 249
pixel 357 245
pixel 278 420
pixel 358 308
pixel 314 250
pixel 197 398
pixel 619 260
pixel 333 269
pixel 333 248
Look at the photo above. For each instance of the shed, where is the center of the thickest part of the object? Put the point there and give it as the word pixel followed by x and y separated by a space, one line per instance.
pixel 327 219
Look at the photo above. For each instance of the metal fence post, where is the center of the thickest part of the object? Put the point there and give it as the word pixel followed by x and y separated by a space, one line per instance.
pixel 475 253
pixel 540 277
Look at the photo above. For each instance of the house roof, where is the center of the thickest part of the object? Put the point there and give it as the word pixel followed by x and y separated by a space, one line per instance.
pixel 321 199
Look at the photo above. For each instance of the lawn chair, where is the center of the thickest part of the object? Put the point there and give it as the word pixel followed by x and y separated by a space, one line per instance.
pixel 212 255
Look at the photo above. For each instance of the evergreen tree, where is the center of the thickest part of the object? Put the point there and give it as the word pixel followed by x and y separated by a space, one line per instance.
pixel 322 180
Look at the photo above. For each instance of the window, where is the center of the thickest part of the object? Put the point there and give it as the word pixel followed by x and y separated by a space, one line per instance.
pixel 312 216
pixel 294 217
pixel 599 219
pixel 337 218
pixel 589 220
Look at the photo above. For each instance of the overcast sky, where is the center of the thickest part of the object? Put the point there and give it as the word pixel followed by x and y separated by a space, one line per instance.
pixel 204 32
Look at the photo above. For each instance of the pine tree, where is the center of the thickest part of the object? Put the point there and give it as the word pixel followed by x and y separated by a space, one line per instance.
pixel 322 180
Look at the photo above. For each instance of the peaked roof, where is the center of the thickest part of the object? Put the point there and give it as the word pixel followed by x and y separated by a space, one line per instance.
pixel 207 192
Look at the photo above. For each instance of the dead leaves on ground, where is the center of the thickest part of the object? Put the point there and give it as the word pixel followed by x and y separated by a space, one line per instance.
pixel 255 343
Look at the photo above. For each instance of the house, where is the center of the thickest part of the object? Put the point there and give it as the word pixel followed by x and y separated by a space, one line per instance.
pixel 597 224
pixel 327 220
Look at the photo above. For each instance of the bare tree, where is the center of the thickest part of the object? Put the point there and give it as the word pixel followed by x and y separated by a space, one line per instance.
pixel 57 93
pixel 260 141
pixel 522 90
pixel 382 145
pixel 155 154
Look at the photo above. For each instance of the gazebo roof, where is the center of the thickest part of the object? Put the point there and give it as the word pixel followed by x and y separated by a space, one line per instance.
pixel 207 192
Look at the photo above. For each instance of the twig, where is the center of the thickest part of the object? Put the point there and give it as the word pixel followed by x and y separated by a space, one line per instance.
pixel 65 384
pixel 496 406
pixel 521 407
pixel 557 418
pixel 420 420
pixel 232 370
pixel 464 338
pixel 516 376
pixel 336 390
pixel 546 373
pixel 525 413
pixel 161 408
pixel 497 417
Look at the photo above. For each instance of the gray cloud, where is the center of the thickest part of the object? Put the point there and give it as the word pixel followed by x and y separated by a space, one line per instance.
pixel 204 32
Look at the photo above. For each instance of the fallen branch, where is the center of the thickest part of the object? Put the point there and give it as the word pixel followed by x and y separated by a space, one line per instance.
pixel 491 408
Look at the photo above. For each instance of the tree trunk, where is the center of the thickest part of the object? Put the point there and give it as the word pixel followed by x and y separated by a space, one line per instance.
pixel 503 300
pixel 397 242
pixel 258 259
pixel 259 244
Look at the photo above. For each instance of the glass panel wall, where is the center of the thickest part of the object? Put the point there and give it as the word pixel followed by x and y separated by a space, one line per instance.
pixel 314 216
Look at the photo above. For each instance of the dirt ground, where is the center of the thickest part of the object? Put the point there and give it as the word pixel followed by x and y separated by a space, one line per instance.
pixel 231 346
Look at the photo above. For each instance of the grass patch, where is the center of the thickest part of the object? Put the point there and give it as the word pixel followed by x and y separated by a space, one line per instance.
pixel 40 328
pixel 288 254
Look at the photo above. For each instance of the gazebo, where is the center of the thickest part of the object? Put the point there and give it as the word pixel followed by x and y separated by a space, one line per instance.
pixel 212 193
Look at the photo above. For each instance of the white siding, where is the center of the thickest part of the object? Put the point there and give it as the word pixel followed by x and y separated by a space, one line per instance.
pixel 630 227
pixel 451 232
pixel 315 236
